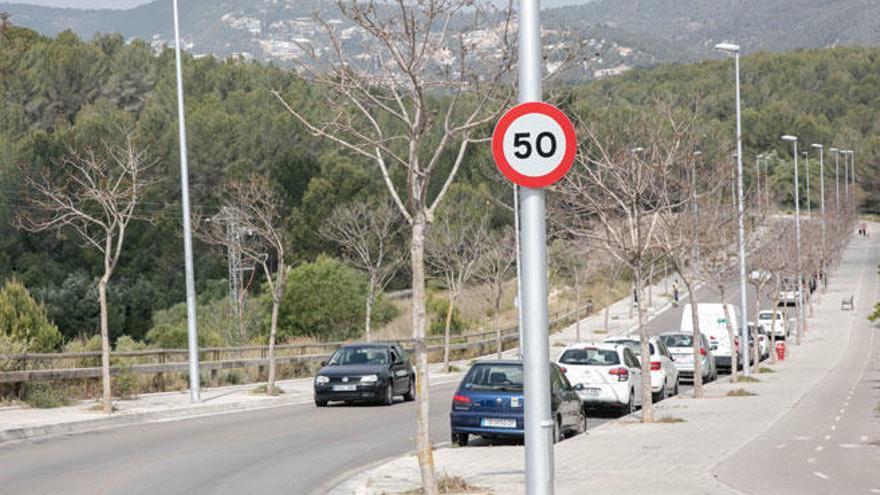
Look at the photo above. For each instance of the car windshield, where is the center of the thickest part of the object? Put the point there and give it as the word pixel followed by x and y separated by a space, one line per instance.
pixel 502 377
pixel 360 355
pixel 590 357
pixel 633 345
pixel 678 340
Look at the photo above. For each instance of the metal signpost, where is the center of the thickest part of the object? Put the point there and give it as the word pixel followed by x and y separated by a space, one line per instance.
pixel 534 145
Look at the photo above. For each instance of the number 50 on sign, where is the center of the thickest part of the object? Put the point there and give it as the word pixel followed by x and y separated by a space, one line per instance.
pixel 534 144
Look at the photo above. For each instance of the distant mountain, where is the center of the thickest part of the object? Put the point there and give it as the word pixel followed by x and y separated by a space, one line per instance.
pixel 616 34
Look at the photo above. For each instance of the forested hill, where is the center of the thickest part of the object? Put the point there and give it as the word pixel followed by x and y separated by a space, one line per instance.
pixel 64 91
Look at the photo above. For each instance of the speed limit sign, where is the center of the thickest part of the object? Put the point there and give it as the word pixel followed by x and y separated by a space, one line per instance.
pixel 534 144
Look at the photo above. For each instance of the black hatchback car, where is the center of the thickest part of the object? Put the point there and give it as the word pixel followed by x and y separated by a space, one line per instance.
pixel 365 373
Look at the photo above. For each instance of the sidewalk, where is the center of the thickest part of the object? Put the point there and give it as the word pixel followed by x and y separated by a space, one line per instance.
pixel 627 457
pixel 22 422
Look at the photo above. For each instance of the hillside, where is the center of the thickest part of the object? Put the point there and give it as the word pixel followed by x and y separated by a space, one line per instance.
pixel 619 33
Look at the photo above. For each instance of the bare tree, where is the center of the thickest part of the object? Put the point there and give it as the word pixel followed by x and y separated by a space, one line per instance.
pixel 570 258
pixel 95 194
pixel 368 234
pixel 429 91
pixel 493 269
pixel 717 269
pixel 614 197
pixel 257 211
pixel 453 250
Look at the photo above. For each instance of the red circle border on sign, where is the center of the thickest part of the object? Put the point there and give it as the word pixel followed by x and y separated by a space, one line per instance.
pixel 542 181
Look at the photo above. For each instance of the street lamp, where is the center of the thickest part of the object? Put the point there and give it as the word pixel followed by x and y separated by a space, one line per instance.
pixel 807 174
pixel 821 149
pixel 734 50
pixel 836 152
pixel 797 219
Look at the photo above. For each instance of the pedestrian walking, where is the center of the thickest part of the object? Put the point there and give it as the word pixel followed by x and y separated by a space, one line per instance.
pixel 675 293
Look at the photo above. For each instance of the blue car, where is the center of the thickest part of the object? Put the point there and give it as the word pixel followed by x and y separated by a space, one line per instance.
pixel 489 403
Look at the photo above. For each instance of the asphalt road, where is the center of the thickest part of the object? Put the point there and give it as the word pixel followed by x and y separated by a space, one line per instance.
pixel 294 449
pixel 830 443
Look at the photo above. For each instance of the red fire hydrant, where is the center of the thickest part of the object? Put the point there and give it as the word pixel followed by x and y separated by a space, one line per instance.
pixel 780 351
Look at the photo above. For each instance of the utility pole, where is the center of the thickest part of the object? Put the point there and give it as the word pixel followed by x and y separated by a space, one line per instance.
pixel 807 174
pixel 539 423
pixel 836 152
pixel 821 149
pixel 797 229
pixel 192 335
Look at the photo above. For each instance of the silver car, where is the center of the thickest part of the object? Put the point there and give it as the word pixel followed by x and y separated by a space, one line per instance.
pixel 680 345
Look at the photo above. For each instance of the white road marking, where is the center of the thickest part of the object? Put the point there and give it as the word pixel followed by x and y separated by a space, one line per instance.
pixel 863 438
pixel 819 448
pixel 827 437
pixel 780 446
pixel 833 427
pixel 836 418
pixel 821 475
pixel 803 438
pixel 842 410
pixel 848 446
pixel 811 460
pixel 846 404
pixel 875 490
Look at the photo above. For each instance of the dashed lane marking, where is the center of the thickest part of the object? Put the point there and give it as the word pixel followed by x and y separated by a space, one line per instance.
pixel 819 448
pixel 821 475
pixel 780 446
pixel 811 460
pixel 827 437
pixel 848 446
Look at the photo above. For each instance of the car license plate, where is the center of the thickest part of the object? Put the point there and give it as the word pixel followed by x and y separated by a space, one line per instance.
pixel 344 388
pixel 497 423
pixel 684 357
pixel 592 392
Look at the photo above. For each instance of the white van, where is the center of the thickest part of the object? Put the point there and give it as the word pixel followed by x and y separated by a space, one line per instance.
pixel 713 324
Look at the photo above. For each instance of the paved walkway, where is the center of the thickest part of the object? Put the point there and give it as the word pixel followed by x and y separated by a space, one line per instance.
pixel 667 458
pixel 22 422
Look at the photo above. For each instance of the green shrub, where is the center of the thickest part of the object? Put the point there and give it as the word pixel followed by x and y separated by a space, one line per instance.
pixel 82 344
pixel 46 395
pixel 437 307
pixel 218 325
pixel 326 299
pixel 25 320
pixel 10 347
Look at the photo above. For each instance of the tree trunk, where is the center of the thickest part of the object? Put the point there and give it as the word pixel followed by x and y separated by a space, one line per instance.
pixel 424 450
pixel 577 305
pixel 645 361
pixel 106 396
pixel 651 288
pixel 607 315
pixel 446 332
pixel 756 355
pixel 368 319
pixel 734 352
pixel 697 341
pixel 273 332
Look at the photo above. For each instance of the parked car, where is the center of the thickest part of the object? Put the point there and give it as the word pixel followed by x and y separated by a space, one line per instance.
pixel 365 373
pixel 680 345
pixel 788 292
pixel 713 323
pixel 664 374
pixel 763 340
pixel 605 375
pixel 489 403
pixel 780 327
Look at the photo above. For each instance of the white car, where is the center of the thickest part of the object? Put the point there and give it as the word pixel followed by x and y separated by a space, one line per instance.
pixel 603 375
pixel 780 327
pixel 664 374
pixel 713 324
pixel 788 292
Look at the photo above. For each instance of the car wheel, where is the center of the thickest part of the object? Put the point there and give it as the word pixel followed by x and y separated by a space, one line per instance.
pixel 582 423
pixel 320 403
pixel 388 399
pixel 660 395
pixel 675 390
pixel 557 431
pixel 410 394
pixel 630 407
pixel 460 439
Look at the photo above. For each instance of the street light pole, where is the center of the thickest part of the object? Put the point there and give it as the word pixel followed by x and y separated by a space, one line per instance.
pixel 807 174
pixel 539 423
pixel 797 228
pixel 821 149
pixel 836 152
pixel 744 326
pixel 846 201
pixel 192 336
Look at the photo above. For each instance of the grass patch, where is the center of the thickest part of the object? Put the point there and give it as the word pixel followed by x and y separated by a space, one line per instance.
pixel 261 390
pixel 100 408
pixel 764 369
pixel 558 344
pixel 748 379
pixel 601 331
pixel 454 369
pixel 48 395
pixel 671 420
pixel 451 485
pixel 740 392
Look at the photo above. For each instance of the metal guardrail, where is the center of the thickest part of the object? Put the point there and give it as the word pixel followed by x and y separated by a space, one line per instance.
pixel 43 366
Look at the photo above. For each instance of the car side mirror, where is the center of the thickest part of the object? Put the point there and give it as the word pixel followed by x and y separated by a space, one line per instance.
pixel 579 386
pixel 394 359
pixel 672 358
pixel 323 363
